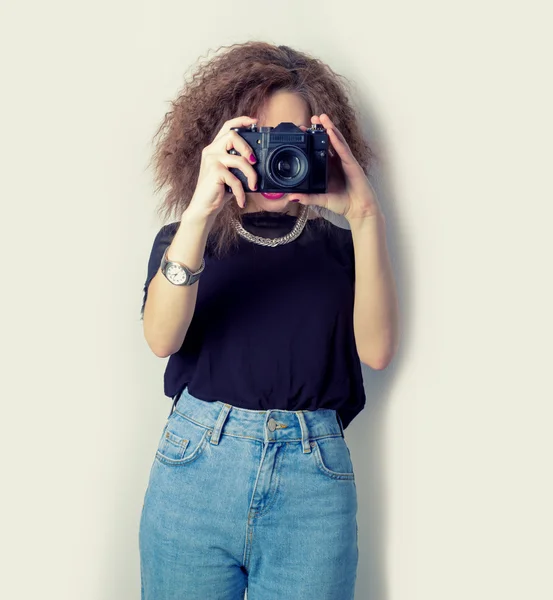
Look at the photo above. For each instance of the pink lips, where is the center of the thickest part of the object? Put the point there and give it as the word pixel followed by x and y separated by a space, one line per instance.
pixel 272 196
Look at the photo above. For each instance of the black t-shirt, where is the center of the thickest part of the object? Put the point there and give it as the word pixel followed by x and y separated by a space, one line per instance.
pixel 272 326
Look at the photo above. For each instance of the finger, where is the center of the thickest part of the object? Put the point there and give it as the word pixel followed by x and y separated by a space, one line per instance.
pixel 235 184
pixel 341 147
pixel 235 141
pixel 339 136
pixel 329 125
pixel 239 162
pixel 242 121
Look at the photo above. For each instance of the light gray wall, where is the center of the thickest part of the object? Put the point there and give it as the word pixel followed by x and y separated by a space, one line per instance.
pixel 453 450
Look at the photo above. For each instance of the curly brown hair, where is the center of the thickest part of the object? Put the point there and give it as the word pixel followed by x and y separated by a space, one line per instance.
pixel 238 82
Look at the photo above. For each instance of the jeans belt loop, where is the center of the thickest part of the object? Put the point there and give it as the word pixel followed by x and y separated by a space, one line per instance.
pixel 221 419
pixel 304 431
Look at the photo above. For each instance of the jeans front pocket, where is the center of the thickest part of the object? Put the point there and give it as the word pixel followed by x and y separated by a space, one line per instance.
pixel 333 457
pixel 182 440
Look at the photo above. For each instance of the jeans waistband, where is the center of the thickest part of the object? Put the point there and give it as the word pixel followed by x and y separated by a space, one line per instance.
pixel 272 425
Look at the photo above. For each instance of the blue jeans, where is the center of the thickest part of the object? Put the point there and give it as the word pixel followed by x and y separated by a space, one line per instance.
pixel 263 500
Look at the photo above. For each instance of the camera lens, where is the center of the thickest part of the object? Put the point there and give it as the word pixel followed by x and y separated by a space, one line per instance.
pixel 288 166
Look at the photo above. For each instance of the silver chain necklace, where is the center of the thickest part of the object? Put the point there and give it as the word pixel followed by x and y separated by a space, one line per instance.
pixel 285 239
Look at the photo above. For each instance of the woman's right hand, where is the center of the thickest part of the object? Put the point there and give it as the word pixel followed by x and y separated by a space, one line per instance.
pixel 210 195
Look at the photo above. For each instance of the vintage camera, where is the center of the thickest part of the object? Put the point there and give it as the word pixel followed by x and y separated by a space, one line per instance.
pixel 288 159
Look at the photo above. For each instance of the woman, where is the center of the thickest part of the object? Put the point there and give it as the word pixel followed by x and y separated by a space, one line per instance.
pixel 252 486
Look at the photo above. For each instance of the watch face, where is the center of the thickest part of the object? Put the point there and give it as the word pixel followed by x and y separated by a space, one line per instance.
pixel 176 273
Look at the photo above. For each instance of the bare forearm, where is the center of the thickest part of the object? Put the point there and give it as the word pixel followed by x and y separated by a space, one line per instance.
pixel 376 312
pixel 169 308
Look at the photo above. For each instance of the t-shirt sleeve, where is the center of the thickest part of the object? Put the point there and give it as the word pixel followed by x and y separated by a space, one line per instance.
pixel 162 241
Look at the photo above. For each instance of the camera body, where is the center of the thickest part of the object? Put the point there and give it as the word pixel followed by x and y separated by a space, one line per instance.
pixel 288 159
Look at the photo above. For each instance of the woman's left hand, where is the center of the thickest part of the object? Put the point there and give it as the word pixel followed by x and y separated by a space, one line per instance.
pixel 349 192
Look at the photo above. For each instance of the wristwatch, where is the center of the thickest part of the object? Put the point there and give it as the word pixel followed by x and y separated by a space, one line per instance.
pixel 177 273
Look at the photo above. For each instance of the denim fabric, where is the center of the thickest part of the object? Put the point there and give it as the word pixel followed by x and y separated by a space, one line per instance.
pixel 256 500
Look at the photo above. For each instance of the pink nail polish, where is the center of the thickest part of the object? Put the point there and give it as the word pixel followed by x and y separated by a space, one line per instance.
pixel 252 157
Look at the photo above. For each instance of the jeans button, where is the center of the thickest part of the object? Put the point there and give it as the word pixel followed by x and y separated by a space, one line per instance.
pixel 271 424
